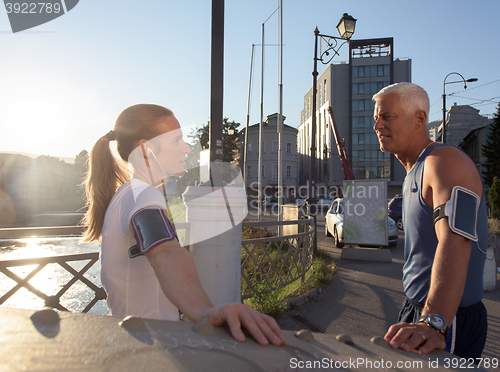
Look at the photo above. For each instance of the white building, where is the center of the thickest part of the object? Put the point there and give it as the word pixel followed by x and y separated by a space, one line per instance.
pixel 462 119
pixel 269 148
pixel 348 88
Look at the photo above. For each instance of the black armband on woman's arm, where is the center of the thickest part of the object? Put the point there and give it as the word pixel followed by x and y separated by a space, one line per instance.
pixel 151 226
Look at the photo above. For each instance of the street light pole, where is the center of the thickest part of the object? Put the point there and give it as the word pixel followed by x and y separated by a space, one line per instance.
pixel 345 28
pixel 312 159
pixel 471 80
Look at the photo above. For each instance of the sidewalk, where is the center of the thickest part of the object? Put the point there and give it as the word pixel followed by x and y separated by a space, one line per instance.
pixel 364 299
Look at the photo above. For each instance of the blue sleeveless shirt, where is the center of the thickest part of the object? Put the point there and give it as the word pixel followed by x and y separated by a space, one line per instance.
pixel 421 241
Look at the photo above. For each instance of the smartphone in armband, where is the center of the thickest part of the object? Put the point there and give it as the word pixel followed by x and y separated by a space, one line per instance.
pixel 461 210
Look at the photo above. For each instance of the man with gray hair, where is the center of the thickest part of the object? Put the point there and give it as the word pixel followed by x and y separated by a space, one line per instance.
pixel 446 231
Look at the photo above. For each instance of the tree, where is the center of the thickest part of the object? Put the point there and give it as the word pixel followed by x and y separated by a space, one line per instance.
pixel 230 141
pixel 490 150
pixel 494 197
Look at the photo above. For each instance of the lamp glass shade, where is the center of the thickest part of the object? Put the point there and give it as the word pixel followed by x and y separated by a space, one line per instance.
pixel 346 26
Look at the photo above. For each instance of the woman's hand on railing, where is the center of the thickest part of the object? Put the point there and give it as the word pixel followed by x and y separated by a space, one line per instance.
pixel 263 328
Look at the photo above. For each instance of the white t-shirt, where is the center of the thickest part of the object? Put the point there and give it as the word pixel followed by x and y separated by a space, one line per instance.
pixel 130 283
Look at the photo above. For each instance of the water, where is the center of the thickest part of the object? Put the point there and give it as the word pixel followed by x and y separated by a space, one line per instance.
pixel 52 277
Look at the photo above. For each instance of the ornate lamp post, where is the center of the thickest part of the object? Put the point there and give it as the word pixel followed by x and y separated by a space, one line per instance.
pixel 471 80
pixel 345 28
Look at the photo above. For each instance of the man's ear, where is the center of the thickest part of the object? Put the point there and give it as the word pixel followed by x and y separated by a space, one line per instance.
pixel 421 119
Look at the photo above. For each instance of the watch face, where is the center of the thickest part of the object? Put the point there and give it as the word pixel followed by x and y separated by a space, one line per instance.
pixel 437 321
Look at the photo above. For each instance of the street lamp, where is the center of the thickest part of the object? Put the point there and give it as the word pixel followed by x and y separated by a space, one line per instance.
pixel 345 28
pixel 471 80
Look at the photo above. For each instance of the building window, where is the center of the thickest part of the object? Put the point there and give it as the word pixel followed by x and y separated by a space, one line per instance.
pixel 275 147
pixel 275 172
pixel 361 121
pixel 358 139
pixel 360 172
pixel 320 91
pixel 288 171
pixel 249 148
pixel 263 147
pixel 288 147
pixel 263 173
pixel 362 105
pixel 324 93
pixel 249 171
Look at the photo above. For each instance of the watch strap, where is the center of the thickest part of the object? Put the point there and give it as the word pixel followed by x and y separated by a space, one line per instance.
pixel 426 319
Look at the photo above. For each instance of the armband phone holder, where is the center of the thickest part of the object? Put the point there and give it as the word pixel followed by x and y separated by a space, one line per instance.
pixel 461 211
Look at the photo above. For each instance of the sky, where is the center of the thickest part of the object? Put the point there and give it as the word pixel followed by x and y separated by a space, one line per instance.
pixel 64 83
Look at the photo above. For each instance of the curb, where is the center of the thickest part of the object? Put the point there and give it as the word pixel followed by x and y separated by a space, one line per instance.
pixel 366 254
pixel 302 299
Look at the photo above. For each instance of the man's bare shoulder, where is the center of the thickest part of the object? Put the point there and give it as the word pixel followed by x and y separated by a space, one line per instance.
pixel 450 166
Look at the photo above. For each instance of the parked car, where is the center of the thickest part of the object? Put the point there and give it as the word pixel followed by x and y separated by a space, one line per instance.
pixel 395 210
pixel 334 225
pixel 324 202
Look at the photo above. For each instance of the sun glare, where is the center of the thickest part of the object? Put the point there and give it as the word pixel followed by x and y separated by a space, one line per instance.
pixel 34 121
pixel 43 281
pixel 52 277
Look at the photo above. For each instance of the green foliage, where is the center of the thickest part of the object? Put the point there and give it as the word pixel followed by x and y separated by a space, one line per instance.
pixel 494 198
pixel 322 272
pixel 230 143
pixel 271 301
pixel 490 150
pixel 254 233
pixel 266 301
pixel 272 261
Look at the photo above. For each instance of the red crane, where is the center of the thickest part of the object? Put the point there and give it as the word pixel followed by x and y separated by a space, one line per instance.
pixel 344 159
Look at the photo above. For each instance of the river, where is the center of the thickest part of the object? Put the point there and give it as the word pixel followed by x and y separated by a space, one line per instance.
pixel 51 278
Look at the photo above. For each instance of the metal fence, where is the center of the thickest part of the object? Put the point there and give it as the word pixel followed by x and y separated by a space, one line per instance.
pixel 273 261
pixel 53 301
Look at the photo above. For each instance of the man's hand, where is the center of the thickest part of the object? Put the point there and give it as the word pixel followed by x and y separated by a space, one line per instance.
pixel 408 336
pixel 263 328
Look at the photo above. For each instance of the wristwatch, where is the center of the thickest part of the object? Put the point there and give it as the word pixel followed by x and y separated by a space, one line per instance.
pixel 436 321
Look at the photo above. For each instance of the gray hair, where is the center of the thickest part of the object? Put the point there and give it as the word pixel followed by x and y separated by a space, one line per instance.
pixel 411 96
